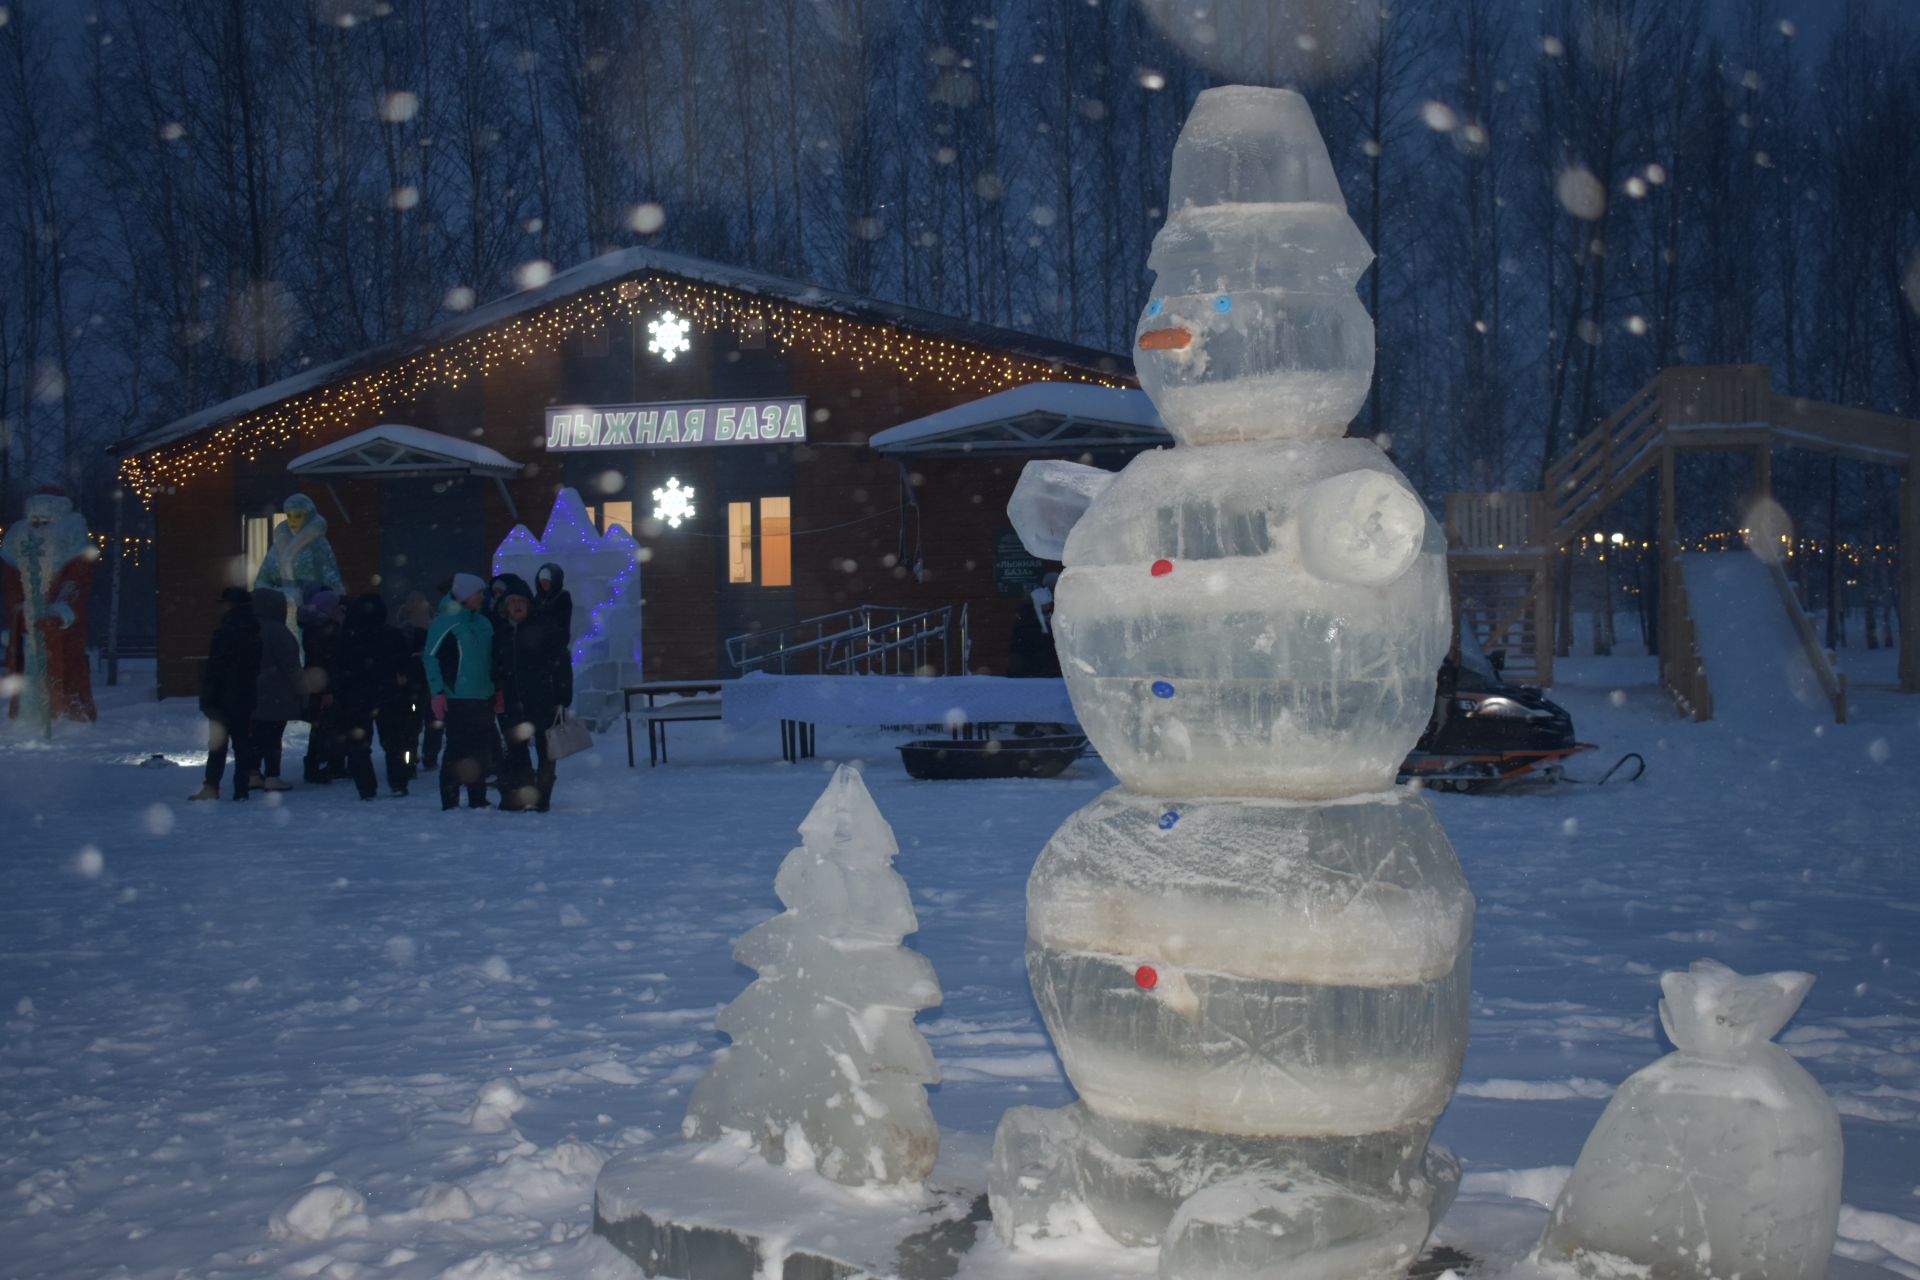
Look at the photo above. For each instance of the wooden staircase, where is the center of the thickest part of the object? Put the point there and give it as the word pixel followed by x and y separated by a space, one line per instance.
pixel 1502 578
pixel 1502 546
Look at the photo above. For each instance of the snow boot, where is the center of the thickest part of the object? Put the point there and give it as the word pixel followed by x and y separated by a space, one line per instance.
pixel 256 783
pixel 275 784
pixel 207 792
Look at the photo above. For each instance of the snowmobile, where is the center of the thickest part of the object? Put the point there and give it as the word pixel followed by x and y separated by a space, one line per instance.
pixel 1487 733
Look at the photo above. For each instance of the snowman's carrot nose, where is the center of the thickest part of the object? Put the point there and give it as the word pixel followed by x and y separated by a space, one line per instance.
pixel 1169 339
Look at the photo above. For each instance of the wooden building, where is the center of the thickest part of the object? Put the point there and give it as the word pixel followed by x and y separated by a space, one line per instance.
pixel 635 372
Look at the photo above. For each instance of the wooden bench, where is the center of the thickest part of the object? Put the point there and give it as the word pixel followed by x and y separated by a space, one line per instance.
pixel 694 700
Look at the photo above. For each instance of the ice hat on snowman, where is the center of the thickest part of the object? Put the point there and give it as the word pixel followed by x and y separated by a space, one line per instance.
pixel 1253 330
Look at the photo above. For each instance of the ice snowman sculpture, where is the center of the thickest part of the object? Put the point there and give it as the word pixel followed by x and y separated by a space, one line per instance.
pixel 1253 956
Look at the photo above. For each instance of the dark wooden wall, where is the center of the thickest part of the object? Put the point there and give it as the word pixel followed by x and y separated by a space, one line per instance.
pixel 855 536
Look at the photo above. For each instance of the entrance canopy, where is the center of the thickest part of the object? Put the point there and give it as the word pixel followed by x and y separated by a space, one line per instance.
pixel 395 450
pixel 1036 418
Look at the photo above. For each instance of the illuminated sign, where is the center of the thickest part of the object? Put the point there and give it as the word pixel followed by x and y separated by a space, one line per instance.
pixel 676 424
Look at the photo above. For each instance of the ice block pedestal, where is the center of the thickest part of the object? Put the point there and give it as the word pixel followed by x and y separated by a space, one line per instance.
pixel 1254 956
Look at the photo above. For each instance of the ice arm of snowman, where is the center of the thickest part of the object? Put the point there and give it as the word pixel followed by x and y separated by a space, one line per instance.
pixel 1363 528
pixel 1049 499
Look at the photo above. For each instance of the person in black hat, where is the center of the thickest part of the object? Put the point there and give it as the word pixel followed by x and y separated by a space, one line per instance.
pixel 534 673
pixel 228 690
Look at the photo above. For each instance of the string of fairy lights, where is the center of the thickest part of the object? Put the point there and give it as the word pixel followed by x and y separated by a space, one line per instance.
pixel 359 401
pixel 1602 545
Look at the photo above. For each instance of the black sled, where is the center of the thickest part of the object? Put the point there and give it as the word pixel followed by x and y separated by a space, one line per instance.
pixel 1487 733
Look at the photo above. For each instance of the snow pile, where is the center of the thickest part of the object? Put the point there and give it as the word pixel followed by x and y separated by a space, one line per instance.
pixel 320 1213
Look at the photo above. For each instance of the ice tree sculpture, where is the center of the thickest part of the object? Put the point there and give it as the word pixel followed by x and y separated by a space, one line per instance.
pixel 1721 1159
pixel 826 1068
pixel 1253 956
pixel 603 575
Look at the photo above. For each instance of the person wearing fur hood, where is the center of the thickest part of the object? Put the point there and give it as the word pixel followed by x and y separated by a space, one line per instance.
pixel 299 559
pixel 46 581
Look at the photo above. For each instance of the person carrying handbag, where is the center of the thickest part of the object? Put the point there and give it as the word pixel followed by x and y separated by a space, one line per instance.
pixel 534 672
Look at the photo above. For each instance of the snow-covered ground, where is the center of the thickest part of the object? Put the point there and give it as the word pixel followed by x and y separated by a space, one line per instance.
pixel 447 1021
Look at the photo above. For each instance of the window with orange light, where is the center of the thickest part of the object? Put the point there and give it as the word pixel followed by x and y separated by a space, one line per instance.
pixel 776 542
pixel 739 542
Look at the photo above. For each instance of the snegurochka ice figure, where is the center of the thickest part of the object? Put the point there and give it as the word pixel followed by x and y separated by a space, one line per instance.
pixel 1253 955
pixel 299 560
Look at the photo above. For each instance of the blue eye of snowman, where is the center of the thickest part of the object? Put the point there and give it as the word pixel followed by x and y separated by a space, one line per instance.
pixel 1153 308
pixel 1223 304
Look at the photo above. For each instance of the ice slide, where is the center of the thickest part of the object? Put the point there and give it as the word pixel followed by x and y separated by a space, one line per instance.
pixel 1756 660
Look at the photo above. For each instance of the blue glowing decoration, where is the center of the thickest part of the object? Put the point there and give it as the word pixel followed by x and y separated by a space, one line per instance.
pixel 1223 304
pixel 1161 689
pixel 1167 820
pixel 1153 308
pixel 603 576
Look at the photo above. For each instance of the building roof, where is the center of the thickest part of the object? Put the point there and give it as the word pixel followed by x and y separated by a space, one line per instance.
pixel 1038 417
pixel 395 449
pixel 608 269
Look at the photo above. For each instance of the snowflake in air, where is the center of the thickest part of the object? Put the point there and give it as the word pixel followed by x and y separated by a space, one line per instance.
pixel 669 336
pixel 673 504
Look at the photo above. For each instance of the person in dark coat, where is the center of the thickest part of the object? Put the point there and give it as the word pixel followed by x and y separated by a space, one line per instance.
pixel 411 703
pixel 418 615
pixel 553 603
pixel 228 685
pixel 320 623
pixel 534 674
pixel 374 696
pixel 281 691
pixel 503 585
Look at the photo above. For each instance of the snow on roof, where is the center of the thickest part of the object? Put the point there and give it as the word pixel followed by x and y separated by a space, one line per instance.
pixel 1035 417
pixel 605 270
pixel 396 448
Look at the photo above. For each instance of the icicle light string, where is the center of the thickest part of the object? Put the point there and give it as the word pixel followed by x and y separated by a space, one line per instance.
pixel 359 401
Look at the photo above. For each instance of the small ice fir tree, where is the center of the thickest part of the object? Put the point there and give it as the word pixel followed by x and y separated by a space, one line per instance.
pixel 826 1067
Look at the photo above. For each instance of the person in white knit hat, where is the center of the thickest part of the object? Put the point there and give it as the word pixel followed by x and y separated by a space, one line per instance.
pixel 459 664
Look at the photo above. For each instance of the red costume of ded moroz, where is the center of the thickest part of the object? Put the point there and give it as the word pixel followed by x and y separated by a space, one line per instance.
pixel 46 582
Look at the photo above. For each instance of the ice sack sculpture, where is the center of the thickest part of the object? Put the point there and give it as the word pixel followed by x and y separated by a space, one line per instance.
pixel 1253 956
pixel 826 1069
pixel 1722 1159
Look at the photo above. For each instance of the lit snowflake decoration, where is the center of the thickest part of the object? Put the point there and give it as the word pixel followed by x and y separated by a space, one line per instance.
pixel 673 504
pixel 669 336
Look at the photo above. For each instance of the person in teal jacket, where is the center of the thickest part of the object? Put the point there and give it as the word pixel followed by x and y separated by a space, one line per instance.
pixel 459 663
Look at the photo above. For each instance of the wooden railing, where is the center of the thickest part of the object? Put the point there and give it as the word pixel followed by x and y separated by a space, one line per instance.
pixel 1832 683
pixel 1729 394
pixel 1681 669
pixel 1508 521
pixel 1605 462
pixel 866 640
pixel 1602 463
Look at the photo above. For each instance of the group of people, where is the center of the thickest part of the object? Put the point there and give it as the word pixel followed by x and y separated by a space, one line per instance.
pixel 471 692
pixel 499 669
pixel 349 674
